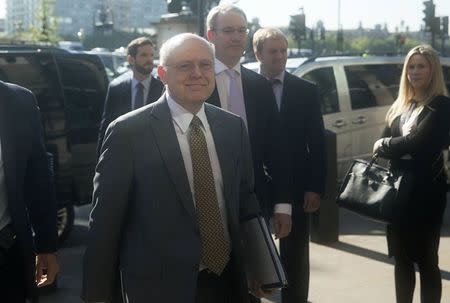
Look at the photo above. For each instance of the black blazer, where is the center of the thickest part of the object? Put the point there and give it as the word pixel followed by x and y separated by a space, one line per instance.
pixel 31 200
pixel 267 141
pixel 426 167
pixel 302 122
pixel 118 101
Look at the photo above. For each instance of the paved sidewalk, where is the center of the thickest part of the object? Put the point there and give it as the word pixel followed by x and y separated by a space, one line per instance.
pixel 357 269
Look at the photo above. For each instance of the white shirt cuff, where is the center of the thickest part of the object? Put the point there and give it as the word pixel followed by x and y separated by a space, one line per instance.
pixel 283 208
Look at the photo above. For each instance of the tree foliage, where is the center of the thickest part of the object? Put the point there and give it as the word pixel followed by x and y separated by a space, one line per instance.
pixel 46 29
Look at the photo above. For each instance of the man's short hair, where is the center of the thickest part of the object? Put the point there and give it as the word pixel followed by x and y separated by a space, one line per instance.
pixel 211 20
pixel 262 34
pixel 133 46
pixel 176 41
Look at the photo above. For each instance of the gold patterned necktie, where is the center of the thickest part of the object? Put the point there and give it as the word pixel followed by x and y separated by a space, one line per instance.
pixel 215 252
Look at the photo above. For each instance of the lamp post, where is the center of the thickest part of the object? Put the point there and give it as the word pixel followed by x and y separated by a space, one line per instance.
pixel 201 17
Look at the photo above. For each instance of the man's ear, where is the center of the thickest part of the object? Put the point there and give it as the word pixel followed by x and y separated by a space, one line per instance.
pixel 162 74
pixel 130 60
pixel 210 34
pixel 258 56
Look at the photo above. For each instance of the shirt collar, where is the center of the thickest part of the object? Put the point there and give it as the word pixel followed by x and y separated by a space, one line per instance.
pixel 280 76
pixel 145 82
pixel 183 117
pixel 219 67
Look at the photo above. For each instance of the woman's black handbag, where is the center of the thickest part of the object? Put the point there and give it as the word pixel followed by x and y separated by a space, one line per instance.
pixel 371 190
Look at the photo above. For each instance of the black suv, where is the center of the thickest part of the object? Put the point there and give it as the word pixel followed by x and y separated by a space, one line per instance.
pixel 70 89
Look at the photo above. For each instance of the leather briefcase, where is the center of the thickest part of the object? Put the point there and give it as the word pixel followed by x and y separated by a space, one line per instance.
pixel 370 190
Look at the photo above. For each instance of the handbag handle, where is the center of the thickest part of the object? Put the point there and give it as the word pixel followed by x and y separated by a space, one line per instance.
pixel 372 161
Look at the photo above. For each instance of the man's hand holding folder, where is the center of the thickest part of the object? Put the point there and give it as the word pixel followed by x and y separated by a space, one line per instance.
pixel 265 273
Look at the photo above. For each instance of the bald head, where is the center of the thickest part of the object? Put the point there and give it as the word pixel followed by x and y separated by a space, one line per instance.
pixel 187 69
pixel 168 49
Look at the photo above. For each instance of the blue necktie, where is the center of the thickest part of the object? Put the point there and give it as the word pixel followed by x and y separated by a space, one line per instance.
pixel 139 98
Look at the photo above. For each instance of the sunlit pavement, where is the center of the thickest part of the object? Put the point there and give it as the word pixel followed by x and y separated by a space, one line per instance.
pixel 357 269
pixel 354 270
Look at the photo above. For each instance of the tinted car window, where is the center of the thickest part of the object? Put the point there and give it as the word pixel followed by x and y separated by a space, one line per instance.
pixel 37 72
pixel 373 85
pixel 325 80
pixel 83 81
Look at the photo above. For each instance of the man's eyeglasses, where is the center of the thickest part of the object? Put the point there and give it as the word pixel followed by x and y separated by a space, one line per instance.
pixel 189 67
pixel 242 31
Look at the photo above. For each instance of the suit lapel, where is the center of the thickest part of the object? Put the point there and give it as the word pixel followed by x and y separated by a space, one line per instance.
pixel 284 95
pixel 153 92
pixel 250 108
pixel 214 99
pixel 7 141
pixel 426 109
pixel 166 138
pixel 127 98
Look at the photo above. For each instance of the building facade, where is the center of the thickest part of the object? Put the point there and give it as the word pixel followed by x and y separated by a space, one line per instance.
pixel 129 15
pixel 20 15
pixel 72 16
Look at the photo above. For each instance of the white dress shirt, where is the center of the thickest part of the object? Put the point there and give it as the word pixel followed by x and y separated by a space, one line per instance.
pixel 145 83
pixel 181 121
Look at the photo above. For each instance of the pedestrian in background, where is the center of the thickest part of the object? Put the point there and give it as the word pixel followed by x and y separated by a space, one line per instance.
pixel 416 133
pixel 301 119
pixel 132 89
pixel 28 232
pixel 249 95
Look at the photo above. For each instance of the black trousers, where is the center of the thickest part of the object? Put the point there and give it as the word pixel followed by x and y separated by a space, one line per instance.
pixel 212 288
pixel 12 280
pixel 294 252
pixel 423 251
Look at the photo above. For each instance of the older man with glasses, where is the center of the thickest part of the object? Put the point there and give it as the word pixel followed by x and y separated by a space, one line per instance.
pixel 174 180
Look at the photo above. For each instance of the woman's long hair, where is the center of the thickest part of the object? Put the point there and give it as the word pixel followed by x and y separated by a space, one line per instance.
pixel 436 85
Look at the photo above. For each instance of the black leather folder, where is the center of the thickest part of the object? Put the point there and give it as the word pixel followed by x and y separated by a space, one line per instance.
pixel 262 262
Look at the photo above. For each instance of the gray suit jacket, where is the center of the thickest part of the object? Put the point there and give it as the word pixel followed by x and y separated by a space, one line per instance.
pixel 144 220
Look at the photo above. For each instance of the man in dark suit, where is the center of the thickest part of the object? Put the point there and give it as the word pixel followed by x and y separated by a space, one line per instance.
pixel 172 183
pixel 301 118
pixel 27 200
pixel 249 95
pixel 132 89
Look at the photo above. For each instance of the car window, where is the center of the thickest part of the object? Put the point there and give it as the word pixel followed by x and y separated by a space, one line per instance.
pixel 84 83
pixel 373 85
pixel 37 72
pixel 325 80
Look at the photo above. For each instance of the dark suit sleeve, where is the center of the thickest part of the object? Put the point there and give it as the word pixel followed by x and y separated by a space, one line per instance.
pixel 315 140
pixel 249 204
pixel 106 118
pixel 432 132
pixel 39 188
pixel 112 186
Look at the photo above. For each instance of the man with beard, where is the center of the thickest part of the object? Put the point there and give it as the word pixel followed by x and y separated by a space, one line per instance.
pixel 134 89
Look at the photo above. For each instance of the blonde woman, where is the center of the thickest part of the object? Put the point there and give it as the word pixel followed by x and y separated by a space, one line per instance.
pixel 416 133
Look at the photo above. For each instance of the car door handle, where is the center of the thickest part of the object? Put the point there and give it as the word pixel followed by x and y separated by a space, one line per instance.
pixel 360 120
pixel 339 123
